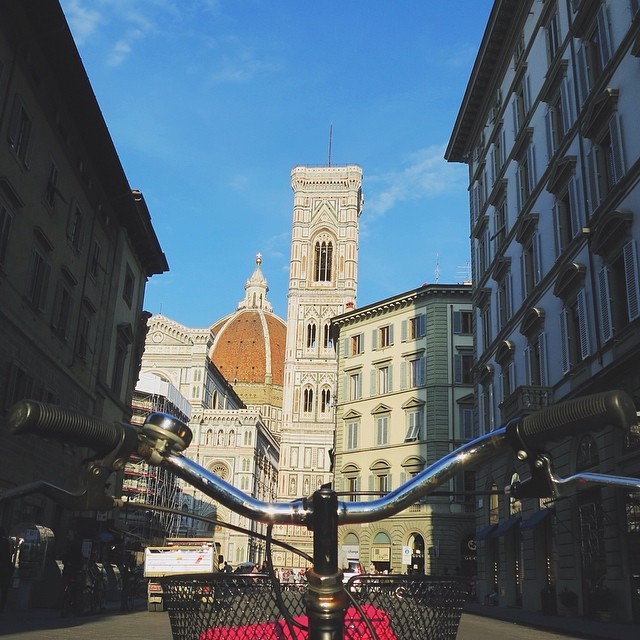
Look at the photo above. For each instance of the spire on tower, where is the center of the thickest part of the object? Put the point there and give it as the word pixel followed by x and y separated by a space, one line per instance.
pixel 256 289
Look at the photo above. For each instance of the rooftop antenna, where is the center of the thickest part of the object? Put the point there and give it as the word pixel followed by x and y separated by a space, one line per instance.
pixel 464 272
pixel 437 270
pixel 330 142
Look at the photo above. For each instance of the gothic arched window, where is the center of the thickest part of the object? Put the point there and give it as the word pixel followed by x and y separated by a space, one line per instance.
pixel 308 400
pixel 325 401
pixel 327 343
pixel 323 260
pixel 311 335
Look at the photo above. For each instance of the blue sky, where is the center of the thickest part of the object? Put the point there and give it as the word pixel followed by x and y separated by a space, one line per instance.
pixel 211 103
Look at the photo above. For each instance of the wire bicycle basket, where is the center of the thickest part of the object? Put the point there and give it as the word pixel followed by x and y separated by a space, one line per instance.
pixel 223 606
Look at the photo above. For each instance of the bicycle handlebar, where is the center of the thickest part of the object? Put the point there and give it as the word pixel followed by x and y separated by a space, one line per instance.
pixel 163 437
pixel 51 421
pixel 580 414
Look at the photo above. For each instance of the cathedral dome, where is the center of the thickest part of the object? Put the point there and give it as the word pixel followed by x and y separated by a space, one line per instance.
pixel 249 344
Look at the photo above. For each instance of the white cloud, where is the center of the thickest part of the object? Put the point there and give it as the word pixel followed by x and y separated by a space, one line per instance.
pixel 82 21
pixel 240 68
pixel 427 173
pixel 122 48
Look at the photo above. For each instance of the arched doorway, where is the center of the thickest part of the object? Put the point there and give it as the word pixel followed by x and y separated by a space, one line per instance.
pixel 349 550
pixel 416 544
pixel 381 552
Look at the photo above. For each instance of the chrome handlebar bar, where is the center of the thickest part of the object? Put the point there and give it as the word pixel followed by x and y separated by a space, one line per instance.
pixel 163 438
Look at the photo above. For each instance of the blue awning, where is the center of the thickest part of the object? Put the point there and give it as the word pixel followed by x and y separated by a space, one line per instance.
pixel 538 517
pixel 506 525
pixel 485 532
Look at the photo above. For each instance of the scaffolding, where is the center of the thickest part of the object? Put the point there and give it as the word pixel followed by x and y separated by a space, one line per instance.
pixel 145 486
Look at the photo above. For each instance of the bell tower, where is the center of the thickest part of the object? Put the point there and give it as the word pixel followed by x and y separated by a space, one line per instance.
pixel 323 278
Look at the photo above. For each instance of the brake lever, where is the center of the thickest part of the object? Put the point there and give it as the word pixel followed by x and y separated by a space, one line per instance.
pixel 543 483
pixel 90 498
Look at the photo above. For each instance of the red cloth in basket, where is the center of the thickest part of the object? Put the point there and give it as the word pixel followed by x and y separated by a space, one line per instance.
pixel 354 626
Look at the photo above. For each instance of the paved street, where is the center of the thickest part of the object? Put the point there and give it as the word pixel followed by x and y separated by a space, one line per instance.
pixel 114 625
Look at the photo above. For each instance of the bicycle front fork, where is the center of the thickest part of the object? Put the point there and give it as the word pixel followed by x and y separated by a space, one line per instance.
pixel 326 598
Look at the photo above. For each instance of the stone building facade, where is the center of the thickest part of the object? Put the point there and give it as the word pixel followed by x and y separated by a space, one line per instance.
pixel 547 130
pixel 76 249
pixel 405 399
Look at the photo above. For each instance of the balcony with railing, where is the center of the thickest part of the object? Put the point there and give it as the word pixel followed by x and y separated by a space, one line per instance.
pixel 524 401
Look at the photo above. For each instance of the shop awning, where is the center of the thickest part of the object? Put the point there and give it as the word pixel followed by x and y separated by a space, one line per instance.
pixel 506 525
pixel 485 532
pixel 538 517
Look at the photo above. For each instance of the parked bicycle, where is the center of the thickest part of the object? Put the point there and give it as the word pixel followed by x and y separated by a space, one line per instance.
pixel 383 607
pixel 84 592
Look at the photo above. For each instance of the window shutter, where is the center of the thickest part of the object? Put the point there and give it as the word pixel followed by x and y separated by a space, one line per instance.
pixel 514 111
pixel 457 322
pixel 617 154
pixel 486 247
pixel 581 304
pixel 457 368
pixel 542 347
pixel 630 253
pixel 583 74
pixel 606 322
pixel 548 123
pixel 389 379
pixel 594 178
pixel 528 376
pixel 531 165
pixel 390 334
pixel 577 214
pixel 536 252
pixel 492 164
pixel 564 341
pixel 373 374
pixel 526 93
pixel 467 424
pixel 492 412
pixel 605 36
pixel 403 375
pixel 404 330
pixel 55 317
pixel 567 107
pixel 519 202
pixel 374 339
pixel 524 275
pixel 472 207
pixel 557 228
pixel 508 289
pixel 423 371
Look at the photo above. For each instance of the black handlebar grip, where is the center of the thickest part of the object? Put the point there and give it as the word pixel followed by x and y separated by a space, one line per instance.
pixel 574 416
pixel 51 421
